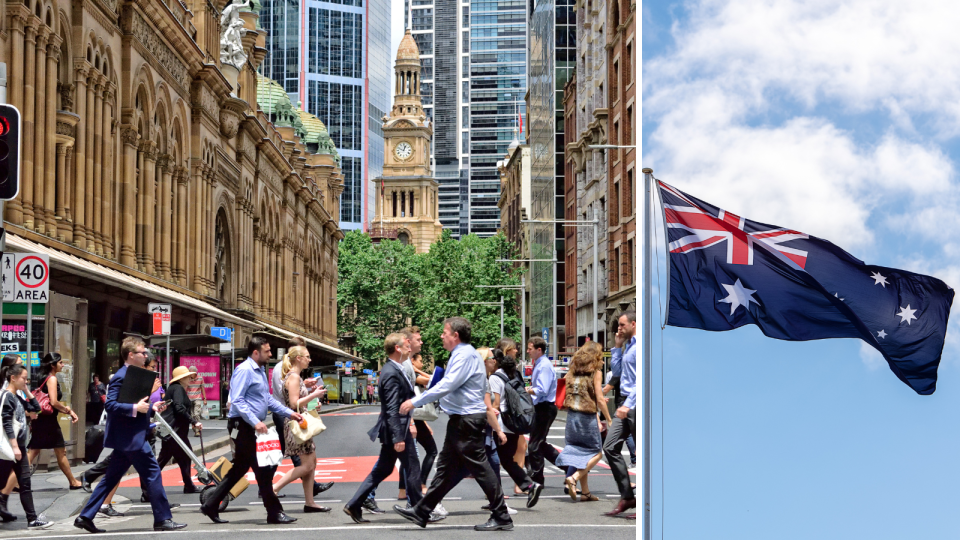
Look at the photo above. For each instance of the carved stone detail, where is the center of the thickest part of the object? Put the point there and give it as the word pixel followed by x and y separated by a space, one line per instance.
pixel 166 57
pixel 67 130
pixel 129 136
pixel 229 123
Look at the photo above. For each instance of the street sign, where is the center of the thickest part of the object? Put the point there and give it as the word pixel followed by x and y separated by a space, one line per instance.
pixel 26 278
pixel 223 332
pixel 161 318
pixel 10 129
pixel 9 347
pixel 338 363
pixel 349 363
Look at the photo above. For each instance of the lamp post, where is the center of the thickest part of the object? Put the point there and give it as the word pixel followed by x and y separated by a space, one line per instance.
pixel 523 312
pixel 523 305
pixel 500 303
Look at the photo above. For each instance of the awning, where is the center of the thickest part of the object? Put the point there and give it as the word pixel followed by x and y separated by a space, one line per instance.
pixel 76 265
pixel 312 342
pixel 181 341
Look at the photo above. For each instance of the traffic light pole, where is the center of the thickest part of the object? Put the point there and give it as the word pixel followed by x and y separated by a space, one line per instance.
pixel 3 235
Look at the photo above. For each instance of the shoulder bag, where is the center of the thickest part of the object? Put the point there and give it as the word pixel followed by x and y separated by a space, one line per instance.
pixel 6 451
pixel 43 398
pixel 426 413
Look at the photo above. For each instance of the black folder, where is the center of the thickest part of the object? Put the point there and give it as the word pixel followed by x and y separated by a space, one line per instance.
pixel 137 384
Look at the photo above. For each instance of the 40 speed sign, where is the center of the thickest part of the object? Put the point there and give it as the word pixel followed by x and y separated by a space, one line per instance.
pixel 26 277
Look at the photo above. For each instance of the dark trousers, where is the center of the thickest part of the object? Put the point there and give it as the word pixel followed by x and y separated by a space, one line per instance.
pixel 170 449
pixel 146 466
pixel 100 468
pixel 21 468
pixel 426 440
pixel 616 435
pixel 506 452
pixel 463 449
pixel 245 458
pixel 383 468
pixel 539 449
pixel 280 423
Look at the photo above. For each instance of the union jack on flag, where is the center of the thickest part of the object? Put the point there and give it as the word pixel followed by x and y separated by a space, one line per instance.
pixel 727 271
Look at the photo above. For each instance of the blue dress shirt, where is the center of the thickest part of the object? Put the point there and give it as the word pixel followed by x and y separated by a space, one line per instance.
pixel 544 381
pixel 463 385
pixel 250 394
pixel 624 365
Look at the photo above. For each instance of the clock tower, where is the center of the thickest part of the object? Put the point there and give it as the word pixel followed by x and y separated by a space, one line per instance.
pixel 407 202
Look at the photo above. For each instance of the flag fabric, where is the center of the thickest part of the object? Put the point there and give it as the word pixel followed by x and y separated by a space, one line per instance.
pixel 727 272
pixel 520 117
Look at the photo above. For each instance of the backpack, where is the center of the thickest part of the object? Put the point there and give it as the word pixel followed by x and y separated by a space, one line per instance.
pixel 520 414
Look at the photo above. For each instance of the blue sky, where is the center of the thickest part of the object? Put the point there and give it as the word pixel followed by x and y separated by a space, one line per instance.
pixel 840 119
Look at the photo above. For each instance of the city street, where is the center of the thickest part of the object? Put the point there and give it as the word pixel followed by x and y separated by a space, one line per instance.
pixel 345 456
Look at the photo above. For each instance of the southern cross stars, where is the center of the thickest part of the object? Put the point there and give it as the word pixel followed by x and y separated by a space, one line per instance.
pixel 881 334
pixel 737 296
pixel 879 280
pixel 906 315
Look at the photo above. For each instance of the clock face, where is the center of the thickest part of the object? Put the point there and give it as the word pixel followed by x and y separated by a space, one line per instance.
pixel 403 150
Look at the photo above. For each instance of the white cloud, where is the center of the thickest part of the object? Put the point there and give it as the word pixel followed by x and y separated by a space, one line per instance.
pixel 871 357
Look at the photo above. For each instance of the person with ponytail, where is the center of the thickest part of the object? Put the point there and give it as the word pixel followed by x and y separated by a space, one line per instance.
pixel 46 429
pixel 14 419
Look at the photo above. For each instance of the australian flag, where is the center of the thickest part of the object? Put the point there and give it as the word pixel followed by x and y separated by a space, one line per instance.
pixel 727 271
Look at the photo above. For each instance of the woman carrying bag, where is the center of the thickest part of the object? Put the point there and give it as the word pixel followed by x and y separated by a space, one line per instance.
pixel 46 428
pixel 13 448
pixel 297 397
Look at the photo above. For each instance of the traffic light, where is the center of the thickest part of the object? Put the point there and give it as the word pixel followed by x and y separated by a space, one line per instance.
pixel 9 152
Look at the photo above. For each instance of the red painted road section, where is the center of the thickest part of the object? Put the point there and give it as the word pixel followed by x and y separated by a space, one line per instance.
pixel 345 469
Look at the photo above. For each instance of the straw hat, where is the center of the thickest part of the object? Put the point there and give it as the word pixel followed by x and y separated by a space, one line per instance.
pixel 179 373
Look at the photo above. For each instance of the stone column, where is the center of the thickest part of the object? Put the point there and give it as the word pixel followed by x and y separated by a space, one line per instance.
pixel 149 207
pixel 141 194
pixel 61 173
pixel 98 217
pixel 109 179
pixel 28 117
pixel 196 203
pixel 14 208
pixel 80 159
pixel 128 240
pixel 166 210
pixel 39 131
pixel 182 187
pixel 49 191
pixel 89 120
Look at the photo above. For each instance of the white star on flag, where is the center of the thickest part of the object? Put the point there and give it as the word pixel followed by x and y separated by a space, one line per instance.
pixel 881 334
pixel 837 295
pixel 907 314
pixel 879 280
pixel 738 295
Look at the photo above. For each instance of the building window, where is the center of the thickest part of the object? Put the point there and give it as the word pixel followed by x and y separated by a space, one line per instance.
pixel 404 238
pixel 628 129
pixel 616 271
pixel 615 83
pixel 628 195
pixel 394 204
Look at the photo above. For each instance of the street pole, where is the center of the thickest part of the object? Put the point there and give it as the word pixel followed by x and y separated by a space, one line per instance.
pixel 596 273
pixel 29 361
pixel 523 322
pixel 553 285
pixel 3 237
pixel 647 346
pixel 501 316
pixel 167 370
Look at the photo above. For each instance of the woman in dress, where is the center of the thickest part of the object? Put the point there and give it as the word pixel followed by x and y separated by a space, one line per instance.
pixel 296 396
pixel 14 419
pixel 46 428
pixel 584 400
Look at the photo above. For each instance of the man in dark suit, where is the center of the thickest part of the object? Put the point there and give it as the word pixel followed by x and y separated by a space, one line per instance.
pixel 127 426
pixel 396 431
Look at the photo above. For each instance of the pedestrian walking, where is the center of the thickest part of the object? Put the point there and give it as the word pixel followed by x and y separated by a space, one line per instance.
pixel 250 397
pixel 96 395
pixel 47 434
pixel 424 432
pixel 296 396
pixel 460 393
pixel 393 427
pixel 623 362
pixel 179 415
pixel 198 397
pixel 544 392
pixel 13 409
pixel 126 434
pixel 414 345
pixel 510 350
pixel 8 361
pixel 584 399
pixel 503 369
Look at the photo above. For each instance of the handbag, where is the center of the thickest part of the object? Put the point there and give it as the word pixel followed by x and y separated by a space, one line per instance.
pixel 315 426
pixel 205 412
pixel 268 449
pixel 426 413
pixel 561 392
pixel 43 398
pixel 6 451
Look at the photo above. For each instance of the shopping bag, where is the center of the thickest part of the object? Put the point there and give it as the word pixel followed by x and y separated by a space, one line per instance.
pixel 315 426
pixel 268 449
pixel 6 449
pixel 205 412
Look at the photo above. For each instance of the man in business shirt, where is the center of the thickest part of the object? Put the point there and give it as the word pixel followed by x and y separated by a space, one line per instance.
pixel 250 398
pixel 623 361
pixel 544 392
pixel 461 394
pixel 126 433
pixel 393 428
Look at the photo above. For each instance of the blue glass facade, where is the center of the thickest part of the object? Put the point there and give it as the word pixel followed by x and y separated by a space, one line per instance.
pixel 281 20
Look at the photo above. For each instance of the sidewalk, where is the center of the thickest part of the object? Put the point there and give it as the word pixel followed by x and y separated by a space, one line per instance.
pixel 52 498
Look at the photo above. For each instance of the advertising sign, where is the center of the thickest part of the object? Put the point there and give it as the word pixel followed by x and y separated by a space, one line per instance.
pixel 209 368
pixel 15 340
pixel 332 384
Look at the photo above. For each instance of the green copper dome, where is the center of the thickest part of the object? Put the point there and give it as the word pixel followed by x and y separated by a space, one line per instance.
pixel 274 101
pixel 317 137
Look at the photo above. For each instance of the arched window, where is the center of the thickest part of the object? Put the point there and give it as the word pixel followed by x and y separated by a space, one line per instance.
pixel 221 267
pixel 403 237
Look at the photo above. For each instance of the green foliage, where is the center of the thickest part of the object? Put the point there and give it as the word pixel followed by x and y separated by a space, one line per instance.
pixel 383 286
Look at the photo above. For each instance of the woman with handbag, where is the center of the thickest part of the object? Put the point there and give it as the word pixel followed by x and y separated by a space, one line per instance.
pixel 424 433
pixel 46 429
pixel 510 350
pixel 12 455
pixel 297 397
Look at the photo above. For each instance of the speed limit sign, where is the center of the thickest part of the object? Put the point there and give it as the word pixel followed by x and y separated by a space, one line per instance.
pixel 30 274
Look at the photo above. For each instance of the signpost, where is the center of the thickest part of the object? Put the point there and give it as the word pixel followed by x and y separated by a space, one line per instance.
pixel 26 280
pixel 161 327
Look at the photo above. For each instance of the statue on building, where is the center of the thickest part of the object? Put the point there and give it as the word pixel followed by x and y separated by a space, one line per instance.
pixel 231 44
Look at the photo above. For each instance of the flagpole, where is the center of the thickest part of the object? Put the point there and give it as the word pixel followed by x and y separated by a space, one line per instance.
pixel 646 348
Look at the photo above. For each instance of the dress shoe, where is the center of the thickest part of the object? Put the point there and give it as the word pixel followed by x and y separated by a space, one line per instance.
pixel 190 489
pixel 622 506
pixel 87 525
pixel 213 515
pixel 533 494
pixel 144 498
pixel 280 519
pixel 494 525
pixel 315 509
pixel 110 511
pixel 370 505
pixel 355 515
pixel 85 484
pixel 168 525
pixel 79 486
pixel 411 515
pixel 320 488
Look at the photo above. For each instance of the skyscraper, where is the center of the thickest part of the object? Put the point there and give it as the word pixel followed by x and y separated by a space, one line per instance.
pixel 333 59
